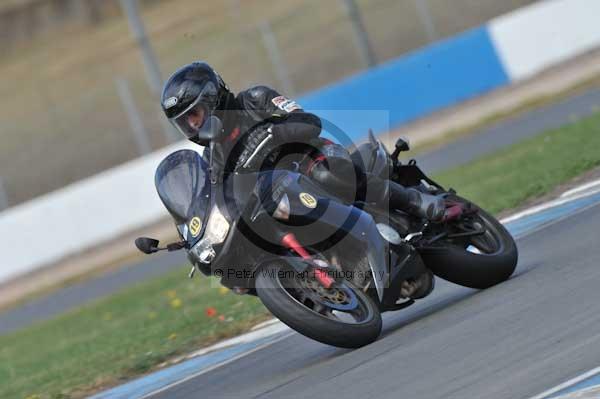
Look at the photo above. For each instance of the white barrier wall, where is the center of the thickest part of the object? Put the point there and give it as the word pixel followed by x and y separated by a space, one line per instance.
pixel 81 215
pixel 543 34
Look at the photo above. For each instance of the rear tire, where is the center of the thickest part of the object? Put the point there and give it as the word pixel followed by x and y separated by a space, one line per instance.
pixel 475 270
pixel 317 326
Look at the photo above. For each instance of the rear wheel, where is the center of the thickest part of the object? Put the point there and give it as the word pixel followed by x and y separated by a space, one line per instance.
pixel 342 315
pixel 476 261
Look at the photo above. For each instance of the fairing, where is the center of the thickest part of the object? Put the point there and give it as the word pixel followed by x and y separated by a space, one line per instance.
pixel 330 221
pixel 183 185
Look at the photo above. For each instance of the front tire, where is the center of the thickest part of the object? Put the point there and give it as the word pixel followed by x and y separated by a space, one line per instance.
pixel 285 304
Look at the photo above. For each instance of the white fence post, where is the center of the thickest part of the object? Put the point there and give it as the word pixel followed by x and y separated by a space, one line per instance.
pixel 276 59
pixel 425 16
pixel 135 120
pixel 3 196
pixel 153 75
pixel 361 38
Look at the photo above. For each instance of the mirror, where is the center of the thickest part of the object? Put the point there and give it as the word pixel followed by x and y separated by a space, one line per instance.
pixel 403 144
pixel 146 245
pixel 212 130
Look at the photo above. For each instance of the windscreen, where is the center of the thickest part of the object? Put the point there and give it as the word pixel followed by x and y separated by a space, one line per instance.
pixel 183 185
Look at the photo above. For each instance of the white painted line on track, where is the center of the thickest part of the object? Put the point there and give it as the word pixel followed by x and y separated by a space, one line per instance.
pixel 216 366
pixel 548 205
pixel 567 384
pixel 263 330
pixel 587 393
pixel 584 187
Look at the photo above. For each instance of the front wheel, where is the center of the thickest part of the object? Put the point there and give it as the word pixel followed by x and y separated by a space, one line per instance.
pixel 479 261
pixel 342 315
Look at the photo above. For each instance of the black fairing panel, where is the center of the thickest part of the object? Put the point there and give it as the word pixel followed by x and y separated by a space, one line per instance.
pixel 182 183
pixel 407 263
pixel 331 221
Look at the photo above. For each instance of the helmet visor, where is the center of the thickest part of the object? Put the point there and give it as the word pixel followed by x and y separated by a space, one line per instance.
pixel 192 119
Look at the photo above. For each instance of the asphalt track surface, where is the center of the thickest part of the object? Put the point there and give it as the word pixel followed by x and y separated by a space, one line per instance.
pixel 515 340
pixel 461 151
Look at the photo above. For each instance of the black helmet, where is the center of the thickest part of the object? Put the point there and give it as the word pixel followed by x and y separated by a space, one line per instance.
pixel 190 96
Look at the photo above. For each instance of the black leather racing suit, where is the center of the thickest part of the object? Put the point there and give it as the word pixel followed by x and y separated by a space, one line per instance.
pixel 258 121
pixel 262 125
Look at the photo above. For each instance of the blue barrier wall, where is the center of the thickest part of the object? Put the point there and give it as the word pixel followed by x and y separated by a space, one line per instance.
pixel 413 85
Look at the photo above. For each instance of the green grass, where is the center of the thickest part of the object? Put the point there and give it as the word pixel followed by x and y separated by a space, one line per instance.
pixel 129 333
pixel 530 168
pixel 123 335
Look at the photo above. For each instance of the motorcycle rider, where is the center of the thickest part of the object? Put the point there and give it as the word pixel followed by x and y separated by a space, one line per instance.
pixel 261 125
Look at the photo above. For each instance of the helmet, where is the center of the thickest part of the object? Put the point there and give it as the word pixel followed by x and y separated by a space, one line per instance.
pixel 190 97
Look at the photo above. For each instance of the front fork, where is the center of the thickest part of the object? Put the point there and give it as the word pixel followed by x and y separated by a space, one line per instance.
pixel 289 241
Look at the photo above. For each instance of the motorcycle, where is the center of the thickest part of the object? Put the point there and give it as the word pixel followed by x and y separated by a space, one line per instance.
pixel 325 267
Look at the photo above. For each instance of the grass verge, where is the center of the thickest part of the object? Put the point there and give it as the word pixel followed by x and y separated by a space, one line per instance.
pixel 127 334
pixel 529 168
pixel 108 341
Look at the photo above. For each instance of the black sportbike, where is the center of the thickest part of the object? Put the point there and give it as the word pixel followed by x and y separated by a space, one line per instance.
pixel 325 267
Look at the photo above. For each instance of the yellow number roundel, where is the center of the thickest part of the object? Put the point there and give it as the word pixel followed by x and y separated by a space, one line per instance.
pixel 308 200
pixel 195 226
